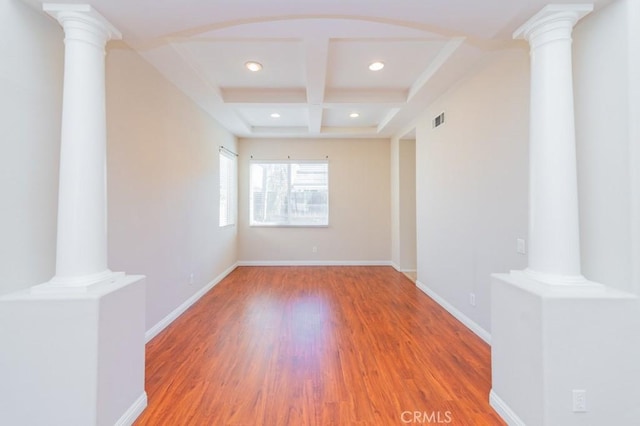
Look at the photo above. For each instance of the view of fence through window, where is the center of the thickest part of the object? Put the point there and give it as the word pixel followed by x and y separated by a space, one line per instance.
pixel 289 193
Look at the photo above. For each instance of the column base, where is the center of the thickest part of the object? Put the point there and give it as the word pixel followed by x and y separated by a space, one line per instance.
pixel 77 284
pixel 560 279
pixel 72 357
pixel 549 340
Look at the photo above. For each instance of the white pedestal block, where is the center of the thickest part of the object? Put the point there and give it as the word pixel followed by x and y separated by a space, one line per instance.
pixel 549 340
pixel 73 358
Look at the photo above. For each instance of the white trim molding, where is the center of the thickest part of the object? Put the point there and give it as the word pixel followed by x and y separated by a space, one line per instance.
pixel 468 322
pixel 504 410
pixel 404 271
pixel 133 412
pixel 166 321
pixel 315 263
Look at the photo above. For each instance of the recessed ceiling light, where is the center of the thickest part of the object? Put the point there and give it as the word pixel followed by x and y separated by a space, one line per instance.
pixel 253 66
pixel 376 66
pixel 354 115
pixel 275 115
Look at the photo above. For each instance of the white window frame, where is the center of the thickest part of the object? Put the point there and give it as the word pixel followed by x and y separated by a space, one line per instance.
pixel 228 197
pixel 288 223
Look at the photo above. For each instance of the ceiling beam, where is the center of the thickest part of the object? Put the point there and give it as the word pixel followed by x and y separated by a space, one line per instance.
pixel 366 96
pixel 192 64
pixel 442 57
pixel 315 118
pixel 203 92
pixel 387 119
pixel 316 56
pixel 263 96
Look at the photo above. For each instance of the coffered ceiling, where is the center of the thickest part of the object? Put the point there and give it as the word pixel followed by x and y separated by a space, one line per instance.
pixel 315 56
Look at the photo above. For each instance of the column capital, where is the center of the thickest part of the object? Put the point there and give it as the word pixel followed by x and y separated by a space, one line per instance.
pixel 83 23
pixel 553 22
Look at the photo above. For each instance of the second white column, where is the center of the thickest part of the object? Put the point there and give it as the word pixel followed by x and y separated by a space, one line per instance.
pixel 554 240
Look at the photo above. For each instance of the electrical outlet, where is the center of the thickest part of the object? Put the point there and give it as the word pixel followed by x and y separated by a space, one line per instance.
pixel 314 249
pixel 579 401
pixel 521 246
pixel 191 278
pixel 472 299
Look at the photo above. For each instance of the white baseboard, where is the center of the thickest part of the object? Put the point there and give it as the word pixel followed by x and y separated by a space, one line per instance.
pixel 133 412
pixel 315 263
pixel 404 271
pixel 504 410
pixel 468 322
pixel 164 322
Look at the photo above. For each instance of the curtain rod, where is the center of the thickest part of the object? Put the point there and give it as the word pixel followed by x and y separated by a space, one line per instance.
pixel 289 158
pixel 222 148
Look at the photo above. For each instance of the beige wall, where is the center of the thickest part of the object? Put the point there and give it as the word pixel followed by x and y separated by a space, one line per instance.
pixel 359 198
pixel 163 185
pixel 403 204
pixel 606 64
pixel 394 169
pixel 407 216
pixel 472 184
pixel 32 52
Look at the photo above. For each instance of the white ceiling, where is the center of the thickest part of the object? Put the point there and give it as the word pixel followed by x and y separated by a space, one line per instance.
pixel 315 55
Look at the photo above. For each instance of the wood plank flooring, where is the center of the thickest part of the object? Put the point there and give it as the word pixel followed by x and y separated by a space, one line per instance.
pixel 317 346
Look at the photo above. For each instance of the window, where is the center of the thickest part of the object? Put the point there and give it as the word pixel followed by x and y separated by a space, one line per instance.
pixel 289 193
pixel 228 186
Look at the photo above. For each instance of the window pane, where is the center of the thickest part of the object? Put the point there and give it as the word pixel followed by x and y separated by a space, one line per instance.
pixel 269 189
pixel 289 194
pixel 309 193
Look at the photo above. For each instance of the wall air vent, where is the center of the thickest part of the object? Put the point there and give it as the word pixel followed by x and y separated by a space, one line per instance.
pixel 439 120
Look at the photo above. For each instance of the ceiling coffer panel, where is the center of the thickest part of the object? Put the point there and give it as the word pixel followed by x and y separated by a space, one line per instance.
pixel 275 116
pixel 222 62
pixel 354 116
pixel 404 60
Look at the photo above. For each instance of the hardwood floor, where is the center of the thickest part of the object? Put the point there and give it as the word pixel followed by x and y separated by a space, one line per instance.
pixel 317 346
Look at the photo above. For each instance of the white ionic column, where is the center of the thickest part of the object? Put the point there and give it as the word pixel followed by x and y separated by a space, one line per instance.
pixel 554 240
pixel 81 257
